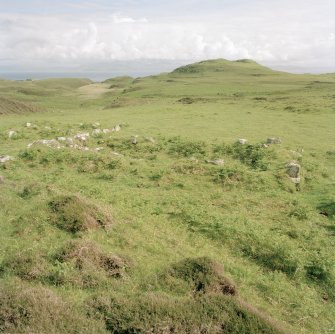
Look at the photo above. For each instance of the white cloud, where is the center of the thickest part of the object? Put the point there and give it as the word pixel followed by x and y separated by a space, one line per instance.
pixel 275 36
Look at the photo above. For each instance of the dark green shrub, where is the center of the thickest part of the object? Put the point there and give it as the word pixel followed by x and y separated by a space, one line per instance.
pixel 185 148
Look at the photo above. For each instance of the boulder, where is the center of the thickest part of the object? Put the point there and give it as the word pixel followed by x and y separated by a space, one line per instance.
pixel 293 171
pixel 273 140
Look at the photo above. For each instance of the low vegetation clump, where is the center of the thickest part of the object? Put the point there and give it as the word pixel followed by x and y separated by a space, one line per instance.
pixel 73 214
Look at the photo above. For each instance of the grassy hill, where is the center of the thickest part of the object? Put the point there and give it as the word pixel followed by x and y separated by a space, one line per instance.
pixel 103 235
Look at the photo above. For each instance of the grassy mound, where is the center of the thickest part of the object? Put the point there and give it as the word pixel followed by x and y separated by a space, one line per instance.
pixel 203 275
pixel 73 214
pixel 159 313
pixel 86 255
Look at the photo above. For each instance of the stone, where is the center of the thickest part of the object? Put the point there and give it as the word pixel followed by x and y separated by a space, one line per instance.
pixel 242 141
pixel 98 149
pixel 2 179
pixel 293 171
pixel 273 140
pixel 116 128
pixel 218 162
pixel 105 131
pixel 5 158
pixel 134 140
pixel 28 125
pixel 11 133
pixel 96 132
pixel 150 140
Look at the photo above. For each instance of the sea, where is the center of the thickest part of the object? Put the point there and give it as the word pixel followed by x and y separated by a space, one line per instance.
pixel 94 76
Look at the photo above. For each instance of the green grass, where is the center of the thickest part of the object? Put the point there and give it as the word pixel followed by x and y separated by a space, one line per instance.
pixel 151 239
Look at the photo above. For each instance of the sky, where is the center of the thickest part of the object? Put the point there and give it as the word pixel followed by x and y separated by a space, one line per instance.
pixel 151 35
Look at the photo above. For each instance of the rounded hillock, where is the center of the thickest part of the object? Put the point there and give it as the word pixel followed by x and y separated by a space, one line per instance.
pixel 203 274
pixel 74 214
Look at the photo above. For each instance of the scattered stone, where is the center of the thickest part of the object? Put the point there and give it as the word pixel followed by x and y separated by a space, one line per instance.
pixel 134 140
pixel 2 179
pixel 5 158
pixel 96 132
pixel 293 171
pixel 61 138
pixel 95 125
pixel 242 141
pixel 47 128
pixel 218 162
pixel 273 140
pixel 11 134
pixel 28 125
pixel 98 149
pixel 116 128
pixel 105 131
pixel 82 136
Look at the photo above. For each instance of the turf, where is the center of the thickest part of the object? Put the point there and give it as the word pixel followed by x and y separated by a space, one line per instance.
pixel 149 237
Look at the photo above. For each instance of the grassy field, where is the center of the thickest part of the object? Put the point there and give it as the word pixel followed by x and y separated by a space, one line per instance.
pixel 107 236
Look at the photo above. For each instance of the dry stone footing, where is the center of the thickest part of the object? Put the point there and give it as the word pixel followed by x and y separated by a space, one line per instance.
pixel 47 142
pixel 82 136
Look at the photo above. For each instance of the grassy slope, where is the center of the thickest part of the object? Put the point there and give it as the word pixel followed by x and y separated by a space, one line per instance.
pixel 167 206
